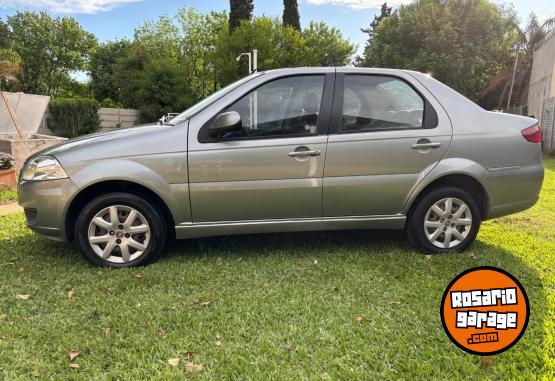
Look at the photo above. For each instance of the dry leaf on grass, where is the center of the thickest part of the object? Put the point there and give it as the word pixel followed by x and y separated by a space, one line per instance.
pixel 73 355
pixel 70 293
pixel 160 332
pixel 193 368
pixel 360 319
pixel 486 361
pixel 208 303
pixel 395 302
pixel 138 275
pixel 21 269
pixel 315 261
pixel 22 296
pixel 74 366
pixel 218 340
pixel 289 345
pixel 428 257
pixel 174 362
pixel 99 273
pixel 472 255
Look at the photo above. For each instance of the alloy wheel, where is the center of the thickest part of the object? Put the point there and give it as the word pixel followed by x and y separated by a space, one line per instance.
pixel 447 223
pixel 119 234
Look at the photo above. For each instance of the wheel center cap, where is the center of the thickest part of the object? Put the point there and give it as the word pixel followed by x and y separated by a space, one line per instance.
pixel 120 234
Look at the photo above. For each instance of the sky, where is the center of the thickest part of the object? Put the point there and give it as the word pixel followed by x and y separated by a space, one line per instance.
pixel 113 19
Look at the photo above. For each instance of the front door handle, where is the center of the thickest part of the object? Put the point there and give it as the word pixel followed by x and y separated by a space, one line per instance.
pixel 426 145
pixel 305 153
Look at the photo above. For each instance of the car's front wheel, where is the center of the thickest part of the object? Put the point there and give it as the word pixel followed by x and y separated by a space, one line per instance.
pixel 444 220
pixel 120 230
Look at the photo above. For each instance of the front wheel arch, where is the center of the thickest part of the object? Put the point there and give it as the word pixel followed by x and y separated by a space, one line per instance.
pixel 91 192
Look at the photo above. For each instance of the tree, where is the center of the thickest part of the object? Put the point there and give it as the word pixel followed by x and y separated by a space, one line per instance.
pixel 101 68
pixel 239 10
pixel 50 50
pixel 291 14
pixel 497 92
pixel 385 11
pixel 462 43
pixel 325 46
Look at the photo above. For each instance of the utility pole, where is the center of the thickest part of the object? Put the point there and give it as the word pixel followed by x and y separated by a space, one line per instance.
pixel 513 79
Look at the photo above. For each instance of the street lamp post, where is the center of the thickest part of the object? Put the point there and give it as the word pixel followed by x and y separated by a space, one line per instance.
pixel 253 60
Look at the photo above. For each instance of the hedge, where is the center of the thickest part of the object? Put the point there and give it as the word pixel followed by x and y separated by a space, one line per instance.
pixel 71 117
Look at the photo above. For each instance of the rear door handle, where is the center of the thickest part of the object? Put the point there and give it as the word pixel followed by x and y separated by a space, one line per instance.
pixel 426 145
pixel 305 153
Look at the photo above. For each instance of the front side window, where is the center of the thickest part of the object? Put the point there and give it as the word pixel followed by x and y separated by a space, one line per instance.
pixel 379 103
pixel 284 107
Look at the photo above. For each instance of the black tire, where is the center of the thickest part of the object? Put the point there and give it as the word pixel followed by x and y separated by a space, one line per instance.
pixel 414 227
pixel 157 224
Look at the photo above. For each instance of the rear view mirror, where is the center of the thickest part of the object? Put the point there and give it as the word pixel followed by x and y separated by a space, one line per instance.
pixel 225 123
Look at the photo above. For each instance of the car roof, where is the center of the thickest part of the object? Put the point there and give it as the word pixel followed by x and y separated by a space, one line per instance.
pixel 323 70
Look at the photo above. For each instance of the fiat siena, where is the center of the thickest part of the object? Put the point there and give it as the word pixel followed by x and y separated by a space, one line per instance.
pixel 290 150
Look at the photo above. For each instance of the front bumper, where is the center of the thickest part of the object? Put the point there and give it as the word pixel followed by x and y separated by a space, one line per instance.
pixel 45 204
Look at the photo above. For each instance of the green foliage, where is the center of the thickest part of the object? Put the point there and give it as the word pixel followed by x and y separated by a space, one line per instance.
pixel 462 43
pixel 72 117
pixel 50 48
pixel 385 11
pixel 552 152
pixel 325 46
pixel 239 11
pixel 291 15
pixel 168 67
pixel 101 63
pixel 109 103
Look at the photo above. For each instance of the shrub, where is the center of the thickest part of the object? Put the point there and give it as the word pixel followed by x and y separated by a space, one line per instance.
pixel 73 117
pixel 109 103
pixel 6 161
pixel 552 152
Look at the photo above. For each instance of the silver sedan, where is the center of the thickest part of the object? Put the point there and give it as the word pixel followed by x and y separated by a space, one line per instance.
pixel 290 150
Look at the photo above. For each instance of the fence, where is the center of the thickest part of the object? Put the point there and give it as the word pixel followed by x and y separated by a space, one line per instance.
pixel 110 119
pixel 547 123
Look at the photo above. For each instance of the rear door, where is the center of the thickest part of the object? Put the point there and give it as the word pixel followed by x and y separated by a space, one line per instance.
pixel 273 167
pixel 387 133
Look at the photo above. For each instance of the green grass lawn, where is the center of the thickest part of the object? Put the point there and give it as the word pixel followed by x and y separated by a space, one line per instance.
pixel 279 306
pixel 7 194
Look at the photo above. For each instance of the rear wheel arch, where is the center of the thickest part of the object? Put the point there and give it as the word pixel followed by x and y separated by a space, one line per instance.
pixel 114 186
pixel 462 181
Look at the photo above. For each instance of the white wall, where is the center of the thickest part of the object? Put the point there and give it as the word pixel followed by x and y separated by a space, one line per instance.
pixel 542 79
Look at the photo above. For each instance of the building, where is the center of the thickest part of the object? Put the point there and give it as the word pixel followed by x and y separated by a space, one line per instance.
pixel 542 79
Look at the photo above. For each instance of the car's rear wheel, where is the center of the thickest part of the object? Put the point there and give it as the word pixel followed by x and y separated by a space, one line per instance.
pixel 120 230
pixel 444 220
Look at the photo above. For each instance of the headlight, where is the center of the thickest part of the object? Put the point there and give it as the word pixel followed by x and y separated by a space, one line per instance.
pixel 43 168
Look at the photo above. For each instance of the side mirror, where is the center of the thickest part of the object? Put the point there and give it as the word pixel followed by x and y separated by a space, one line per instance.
pixel 225 123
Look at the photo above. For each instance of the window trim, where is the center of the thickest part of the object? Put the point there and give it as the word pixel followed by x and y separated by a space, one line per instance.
pixel 429 119
pixel 324 117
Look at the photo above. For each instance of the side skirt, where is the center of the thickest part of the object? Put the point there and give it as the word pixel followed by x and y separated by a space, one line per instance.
pixel 210 229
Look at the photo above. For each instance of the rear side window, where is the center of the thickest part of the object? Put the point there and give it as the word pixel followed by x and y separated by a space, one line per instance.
pixel 375 103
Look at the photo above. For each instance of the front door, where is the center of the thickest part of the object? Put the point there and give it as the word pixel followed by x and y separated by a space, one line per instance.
pixel 384 138
pixel 273 167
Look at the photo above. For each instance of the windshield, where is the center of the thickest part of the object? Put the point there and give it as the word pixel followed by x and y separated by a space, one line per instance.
pixel 187 114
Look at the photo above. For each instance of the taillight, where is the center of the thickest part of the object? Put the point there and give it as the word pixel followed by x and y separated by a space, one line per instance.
pixel 532 134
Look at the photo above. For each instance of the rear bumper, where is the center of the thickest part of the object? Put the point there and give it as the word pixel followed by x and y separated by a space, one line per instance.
pixel 45 204
pixel 513 189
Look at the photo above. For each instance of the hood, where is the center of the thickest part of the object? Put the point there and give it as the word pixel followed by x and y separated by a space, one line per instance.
pixel 140 140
